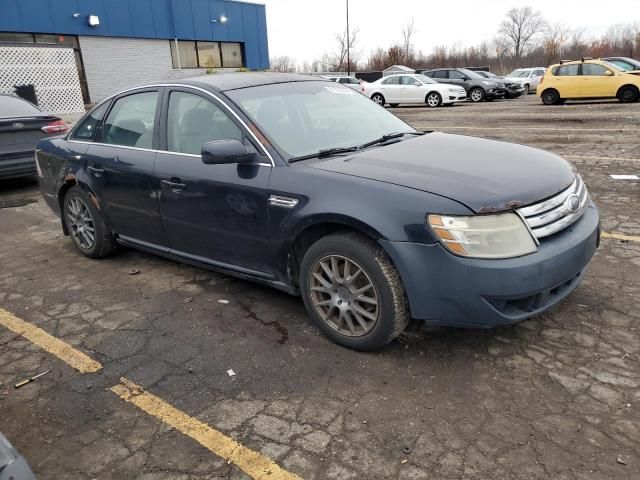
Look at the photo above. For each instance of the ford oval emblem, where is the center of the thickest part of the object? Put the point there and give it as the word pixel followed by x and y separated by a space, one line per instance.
pixel 18 125
pixel 573 203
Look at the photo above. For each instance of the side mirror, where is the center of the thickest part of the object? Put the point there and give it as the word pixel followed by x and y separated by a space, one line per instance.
pixel 226 151
pixel 417 84
pixel 609 73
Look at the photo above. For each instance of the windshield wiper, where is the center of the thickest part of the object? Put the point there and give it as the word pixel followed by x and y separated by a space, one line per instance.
pixel 327 152
pixel 387 137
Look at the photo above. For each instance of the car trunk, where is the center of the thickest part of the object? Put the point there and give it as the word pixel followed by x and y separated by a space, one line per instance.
pixel 19 136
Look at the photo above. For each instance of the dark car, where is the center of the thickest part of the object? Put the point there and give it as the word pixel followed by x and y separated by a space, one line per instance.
pixel 512 90
pixel 478 87
pixel 625 63
pixel 22 126
pixel 308 186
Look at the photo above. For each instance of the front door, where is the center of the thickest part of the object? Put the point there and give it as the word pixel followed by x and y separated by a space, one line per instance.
pixel 120 167
pixel 597 81
pixel 211 213
pixel 413 91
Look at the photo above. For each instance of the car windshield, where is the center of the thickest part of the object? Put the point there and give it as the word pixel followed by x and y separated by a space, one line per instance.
pixel 16 107
pixel 424 78
pixel 302 118
pixel 621 67
pixel 519 73
pixel 470 73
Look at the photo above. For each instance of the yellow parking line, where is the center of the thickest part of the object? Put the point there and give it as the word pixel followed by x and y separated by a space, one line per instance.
pixel 592 157
pixel 51 344
pixel 620 236
pixel 256 465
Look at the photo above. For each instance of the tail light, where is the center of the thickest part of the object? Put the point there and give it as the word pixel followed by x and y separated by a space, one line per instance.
pixel 57 126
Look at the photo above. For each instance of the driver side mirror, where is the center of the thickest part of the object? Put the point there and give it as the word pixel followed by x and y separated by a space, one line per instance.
pixel 417 83
pixel 608 73
pixel 226 151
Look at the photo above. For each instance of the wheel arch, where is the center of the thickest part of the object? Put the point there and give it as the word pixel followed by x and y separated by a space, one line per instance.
pixel 70 180
pixel 635 87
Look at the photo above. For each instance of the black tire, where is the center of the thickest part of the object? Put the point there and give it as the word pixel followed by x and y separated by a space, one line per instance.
pixel 433 99
pixel 103 242
pixel 527 89
pixel 628 94
pixel 378 98
pixel 551 97
pixel 394 105
pixel 476 94
pixel 392 308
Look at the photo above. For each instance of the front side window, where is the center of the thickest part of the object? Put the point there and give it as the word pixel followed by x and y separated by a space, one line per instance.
pixel 456 75
pixel 566 70
pixel 193 120
pixel 301 118
pixel 130 122
pixel 594 70
pixel 86 129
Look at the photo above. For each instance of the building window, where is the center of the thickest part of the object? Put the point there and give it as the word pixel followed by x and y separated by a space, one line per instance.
pixel 10 37
pixel 209 54
pixel 190 54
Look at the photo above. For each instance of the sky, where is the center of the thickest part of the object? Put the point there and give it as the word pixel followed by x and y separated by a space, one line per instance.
pixel 304 29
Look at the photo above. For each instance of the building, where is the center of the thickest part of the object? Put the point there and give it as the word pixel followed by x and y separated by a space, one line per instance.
pixel 397 69
pixel 119 43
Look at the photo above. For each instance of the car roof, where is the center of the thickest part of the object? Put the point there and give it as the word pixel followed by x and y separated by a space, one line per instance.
pixel 233 81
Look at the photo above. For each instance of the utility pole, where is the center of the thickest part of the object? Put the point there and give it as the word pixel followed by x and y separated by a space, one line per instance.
pixel 348 46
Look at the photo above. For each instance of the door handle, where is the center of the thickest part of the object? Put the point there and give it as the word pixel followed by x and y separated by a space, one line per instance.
pixel 175 186
pixel 96 171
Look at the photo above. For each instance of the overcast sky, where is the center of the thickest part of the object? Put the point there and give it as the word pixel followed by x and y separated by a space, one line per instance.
pixel 304 29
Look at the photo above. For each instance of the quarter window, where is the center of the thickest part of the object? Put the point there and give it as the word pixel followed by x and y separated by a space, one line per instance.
pixel 193 120
pixel 130 122
pixel 87 128
pixel 594 70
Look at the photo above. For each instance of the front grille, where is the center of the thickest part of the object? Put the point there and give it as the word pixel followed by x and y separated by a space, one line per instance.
pixel 558 212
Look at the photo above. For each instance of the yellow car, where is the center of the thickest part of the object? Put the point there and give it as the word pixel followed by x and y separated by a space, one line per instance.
pixel 588 79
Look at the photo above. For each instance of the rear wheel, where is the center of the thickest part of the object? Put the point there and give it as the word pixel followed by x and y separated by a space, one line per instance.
pixel 352 291
pixel 434 99
pixel 86 225
pixel 378 98
pixel 551 97
pixel 628 94
pixel 476 94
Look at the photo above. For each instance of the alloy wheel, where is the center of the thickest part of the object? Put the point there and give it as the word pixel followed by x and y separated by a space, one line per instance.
pixel 344 295
pixel 377 99
pixel 476 95
pixel 433 100
pixel 80 223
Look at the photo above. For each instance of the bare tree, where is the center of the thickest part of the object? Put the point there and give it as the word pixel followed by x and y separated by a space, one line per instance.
pixel 282 63
pixel 340 62
pixel 554 41
pixel 518 30
pixel 408 31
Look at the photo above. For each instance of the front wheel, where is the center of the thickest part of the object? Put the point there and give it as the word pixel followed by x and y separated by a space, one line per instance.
pixel 628 94
pixel 352 291
pixel 476 95
pixel 86 225
pixel 434 99
pixel 551 97
pixel 378 98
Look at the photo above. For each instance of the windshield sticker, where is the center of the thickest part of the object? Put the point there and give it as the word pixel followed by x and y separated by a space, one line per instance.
pixel 343 90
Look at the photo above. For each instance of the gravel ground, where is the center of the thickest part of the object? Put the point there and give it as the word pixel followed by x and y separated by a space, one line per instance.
pixel 555 397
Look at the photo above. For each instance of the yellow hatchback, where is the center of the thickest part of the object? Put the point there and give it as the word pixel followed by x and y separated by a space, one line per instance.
pixel 588 79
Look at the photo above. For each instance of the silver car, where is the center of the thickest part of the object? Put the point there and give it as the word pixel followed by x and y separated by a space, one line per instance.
pixel 529 78
pixel 351 82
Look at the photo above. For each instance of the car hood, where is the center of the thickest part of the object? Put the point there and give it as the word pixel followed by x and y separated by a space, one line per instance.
pixel 485 175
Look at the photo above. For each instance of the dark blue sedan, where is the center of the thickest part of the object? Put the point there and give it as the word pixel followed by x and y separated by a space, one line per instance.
pixel 308 186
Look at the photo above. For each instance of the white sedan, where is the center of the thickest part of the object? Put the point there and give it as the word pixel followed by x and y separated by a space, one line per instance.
pixel 413 88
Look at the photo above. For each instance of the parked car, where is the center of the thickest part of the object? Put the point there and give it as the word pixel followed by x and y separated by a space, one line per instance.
pixel 529 78
pixel 12 464
pixel 625 63
pixel 512 89
pixel 22 125
pixel 413 88
pixel 588 79
pixel 311 188
pixel 478 88
pixel 351 82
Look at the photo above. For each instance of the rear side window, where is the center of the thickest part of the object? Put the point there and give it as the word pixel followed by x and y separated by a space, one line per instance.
pixel 11 106
pixel 439 74
pixel 86 129
pixel 408 80
pixel 594 70
pixel 130 122
pixel 395 80
pixel 566 71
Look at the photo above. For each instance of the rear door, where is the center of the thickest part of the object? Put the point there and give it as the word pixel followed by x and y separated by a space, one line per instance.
pixel 217 212
pixel 391 89
pixel 120 166
pixel 565 79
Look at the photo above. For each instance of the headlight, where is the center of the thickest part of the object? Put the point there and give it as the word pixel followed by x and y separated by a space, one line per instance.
pixel 503 235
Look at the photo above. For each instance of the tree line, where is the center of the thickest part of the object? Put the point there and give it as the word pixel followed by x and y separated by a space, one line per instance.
pixel 524 39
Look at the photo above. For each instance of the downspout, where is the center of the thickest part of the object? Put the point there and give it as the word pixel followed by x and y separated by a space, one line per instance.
pixel 175 37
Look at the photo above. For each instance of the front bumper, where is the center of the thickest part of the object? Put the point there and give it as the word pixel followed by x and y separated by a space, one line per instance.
pixel 21 165
pixel 444 289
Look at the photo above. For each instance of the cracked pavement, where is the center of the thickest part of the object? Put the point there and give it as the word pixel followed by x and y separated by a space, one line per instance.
pixel 557 396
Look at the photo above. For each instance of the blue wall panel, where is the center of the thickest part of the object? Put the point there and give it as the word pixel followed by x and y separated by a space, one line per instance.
pixel 167 19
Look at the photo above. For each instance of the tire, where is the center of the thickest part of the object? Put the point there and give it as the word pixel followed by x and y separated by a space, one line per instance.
pixel 341 319
pixel 433 99
pixel 476 95
pixel 394 105
pixel 527 89
pixel 550 97
pixel 628 94
pixel 378 98
pixel 87 227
